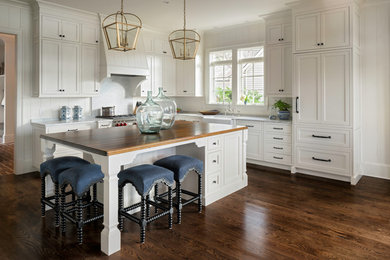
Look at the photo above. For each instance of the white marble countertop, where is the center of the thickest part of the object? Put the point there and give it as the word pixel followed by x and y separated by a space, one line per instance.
pixel 235 117
pixel 52 122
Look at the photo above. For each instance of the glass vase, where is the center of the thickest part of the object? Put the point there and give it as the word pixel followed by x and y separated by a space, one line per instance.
pixel 169 108
pixel 149 116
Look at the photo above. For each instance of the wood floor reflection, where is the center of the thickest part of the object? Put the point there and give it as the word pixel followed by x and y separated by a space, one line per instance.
pixel 6 159
pixel 277 216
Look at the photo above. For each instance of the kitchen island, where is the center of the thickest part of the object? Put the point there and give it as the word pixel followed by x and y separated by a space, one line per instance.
pixel 222 148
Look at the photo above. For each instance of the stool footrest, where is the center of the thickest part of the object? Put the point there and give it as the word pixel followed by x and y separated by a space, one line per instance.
pixel 137 205
pixel 189 193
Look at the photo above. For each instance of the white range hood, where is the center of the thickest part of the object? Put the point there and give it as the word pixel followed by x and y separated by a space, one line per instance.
pixel 131 63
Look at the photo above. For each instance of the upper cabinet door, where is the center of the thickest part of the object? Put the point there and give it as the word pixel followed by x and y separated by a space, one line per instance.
pixel 50 67
pixel 274 70
pixel 90 34
pixel 70 55
pixel 335 28
pixel 335 87
pixel 287 70
pixel 50 27
pixel 307 32
pixel 274 34
pixel 70 31
pixel 307 88
pixel 169 75
pixel 89 70
pixel 287 33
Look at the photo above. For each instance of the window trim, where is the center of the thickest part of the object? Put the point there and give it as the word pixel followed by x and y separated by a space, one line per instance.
pixel 235 79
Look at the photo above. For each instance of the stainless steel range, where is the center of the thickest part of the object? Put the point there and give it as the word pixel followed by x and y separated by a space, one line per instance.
pixel 121 120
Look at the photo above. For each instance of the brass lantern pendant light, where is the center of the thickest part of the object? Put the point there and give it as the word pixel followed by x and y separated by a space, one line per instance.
pixel 121 30
pixel 184 43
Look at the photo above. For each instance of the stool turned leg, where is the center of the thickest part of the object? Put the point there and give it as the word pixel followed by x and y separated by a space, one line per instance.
pixel 43 194
pixel 143 219
pixel 56 204
pixel 170 207
pixel 147 206
pixel 79 218
pixel 179 205
pixel 200 193
pixel 120 197
pixel 62 209
pixel 94 199
pixel 155 197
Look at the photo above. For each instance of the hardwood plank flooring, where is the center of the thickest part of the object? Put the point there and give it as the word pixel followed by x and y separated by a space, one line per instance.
pixel 6 159
pixel 278 216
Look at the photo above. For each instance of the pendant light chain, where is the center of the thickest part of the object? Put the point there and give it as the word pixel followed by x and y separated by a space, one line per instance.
pixel 184 14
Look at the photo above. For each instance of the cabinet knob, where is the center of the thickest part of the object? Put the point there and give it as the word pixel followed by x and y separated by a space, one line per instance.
pixel 318 44
pixel 214 181
pixel 96 90
pixel 97 41
pixel 282 39
pixel 185 91
pixel 322 43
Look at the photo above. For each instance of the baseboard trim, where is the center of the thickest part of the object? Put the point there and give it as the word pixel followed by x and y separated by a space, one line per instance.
pixel 377 170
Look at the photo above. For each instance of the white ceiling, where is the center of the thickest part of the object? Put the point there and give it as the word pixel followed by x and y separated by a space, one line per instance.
pixel 168 14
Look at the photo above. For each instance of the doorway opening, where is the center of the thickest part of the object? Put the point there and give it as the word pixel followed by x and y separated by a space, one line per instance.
pixel 7 102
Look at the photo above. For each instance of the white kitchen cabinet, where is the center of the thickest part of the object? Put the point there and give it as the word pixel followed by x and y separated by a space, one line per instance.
pixel 66 52
pixel 278 70
pixel 232 162
pixel 90 70
pixel 168 75
pixel 322 30
pixel 60 29
pixel 322 88
pixel 60 68
pixel 279 33
pixel 185 78
pixel 254 148
pixel 90 34
pixel 50 69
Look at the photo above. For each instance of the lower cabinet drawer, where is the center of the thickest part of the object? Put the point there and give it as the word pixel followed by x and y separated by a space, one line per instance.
pixel 214 161
pixel 277 137
pixel 340 138
pixel 68 128
pixel 277 128
pixel 213 182
pixel 279 148
pixel 334 162
pixel 214 143
pixel 277 158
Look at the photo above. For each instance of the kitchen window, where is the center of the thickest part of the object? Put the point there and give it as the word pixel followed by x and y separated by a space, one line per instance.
pixel 236 76
pixel 221 77
pixel 251 76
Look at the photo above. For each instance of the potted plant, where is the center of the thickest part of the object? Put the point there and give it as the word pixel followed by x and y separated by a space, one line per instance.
pixel 283 113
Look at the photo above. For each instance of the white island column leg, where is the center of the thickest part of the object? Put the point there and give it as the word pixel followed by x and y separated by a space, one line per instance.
pixel 110 239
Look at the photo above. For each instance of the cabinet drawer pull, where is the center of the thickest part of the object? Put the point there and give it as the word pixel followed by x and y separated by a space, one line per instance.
pixel 278 138
pixel 214 161
pixel 321 160
pixel 278 148
pixel 73 130
pixel 214 181
pixel 278 158
pixel 185 91
pixel 278 128
pixel 249 125
pixel 321 136
pixel 215 143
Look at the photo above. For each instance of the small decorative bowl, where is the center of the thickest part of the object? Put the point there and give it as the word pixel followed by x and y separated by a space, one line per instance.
pixel 209 112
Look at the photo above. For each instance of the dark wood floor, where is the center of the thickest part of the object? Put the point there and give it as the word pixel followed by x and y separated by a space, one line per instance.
pixel 277 216
pixel 6 159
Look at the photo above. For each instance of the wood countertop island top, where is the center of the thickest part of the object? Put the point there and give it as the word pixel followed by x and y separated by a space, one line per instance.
pixel 117 140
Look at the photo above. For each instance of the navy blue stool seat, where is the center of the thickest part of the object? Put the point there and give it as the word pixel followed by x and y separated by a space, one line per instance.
pixel 54 167
pixel 181 165
pixel 81 179
pixel 143 178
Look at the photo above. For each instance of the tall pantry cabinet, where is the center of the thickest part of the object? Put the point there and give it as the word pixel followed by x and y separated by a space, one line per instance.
pixel 326 90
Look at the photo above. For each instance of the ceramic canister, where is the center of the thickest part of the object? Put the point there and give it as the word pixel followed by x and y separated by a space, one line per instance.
pixel 77 112
pixel 65 113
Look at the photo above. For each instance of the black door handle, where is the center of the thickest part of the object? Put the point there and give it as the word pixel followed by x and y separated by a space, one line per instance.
pixel 320 136
pixel 296 105
pixel 321 160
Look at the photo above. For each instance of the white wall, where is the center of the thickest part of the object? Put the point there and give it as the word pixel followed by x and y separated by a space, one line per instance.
pixel 16 18
pixel 376 89
pixel 239 35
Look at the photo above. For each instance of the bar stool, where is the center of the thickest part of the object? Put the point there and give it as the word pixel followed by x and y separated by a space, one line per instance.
pixel 181 165
pixel 143 178
pixel 54 167
pixel 81 179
